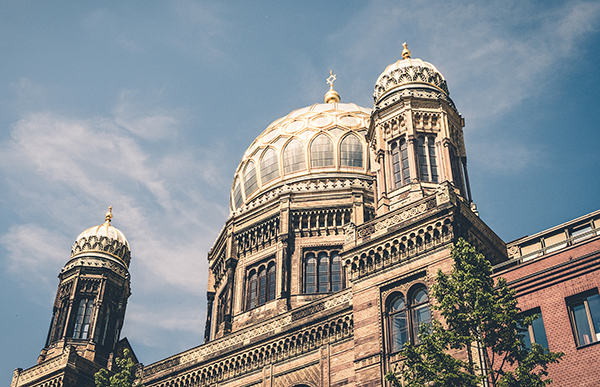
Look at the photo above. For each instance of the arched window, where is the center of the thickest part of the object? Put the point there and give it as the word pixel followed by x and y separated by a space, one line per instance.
pixel 293 157
pixel 398 324
pixel 251 293
pixel 311 273
pixel 428 170
pixel 81 328
pixel 260 286
pixel 404 319
pixel 336 272
pixel 323 273
pixel 269 166
pixel 351 152
pixel 420 311
pixel 237 194
pixel 400 167
pixel 250 184
pixel 321 152
pixel 271 280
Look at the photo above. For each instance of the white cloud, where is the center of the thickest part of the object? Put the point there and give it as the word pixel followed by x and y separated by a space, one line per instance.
pixel 61 173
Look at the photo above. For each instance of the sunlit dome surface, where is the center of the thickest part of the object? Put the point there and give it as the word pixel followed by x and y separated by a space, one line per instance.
pixel 406 73
pixel 105 239
pixel 327 138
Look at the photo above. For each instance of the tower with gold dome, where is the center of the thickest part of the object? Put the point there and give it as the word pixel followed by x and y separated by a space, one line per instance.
pixel 88 312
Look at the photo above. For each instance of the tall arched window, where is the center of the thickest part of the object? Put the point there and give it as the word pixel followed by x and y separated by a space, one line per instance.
pixel 260 286
pixel 81 329
pixel 420 311
pixel 400 166
pixel 269 166
pixel 336 272
pixel 293 157
pixel 323 272
pixel 428 170
pixel 351 152
pixel 251 292
pixel 237 194
pixel 311 273
pixel 398 324
pixel 405 318
pixel 250 184
pixel 321 152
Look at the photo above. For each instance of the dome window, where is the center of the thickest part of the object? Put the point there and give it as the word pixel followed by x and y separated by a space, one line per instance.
pixel 237 195
pixel 293 157
pixel 351 152
pixel 321 152
pixel 427 159
pixel 269 166
pixel 250 184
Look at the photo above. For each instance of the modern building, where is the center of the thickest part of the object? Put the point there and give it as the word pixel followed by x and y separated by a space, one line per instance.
pixel 340 217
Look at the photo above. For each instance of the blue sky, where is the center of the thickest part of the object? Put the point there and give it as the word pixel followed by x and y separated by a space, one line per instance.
pixel 148 107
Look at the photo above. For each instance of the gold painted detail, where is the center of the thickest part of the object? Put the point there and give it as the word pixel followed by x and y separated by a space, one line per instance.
pixel 108 217
pixel 305 186
pixel 405 51
pixel 104 245
pixel 331 96
pixel 409 74
pixel 96 262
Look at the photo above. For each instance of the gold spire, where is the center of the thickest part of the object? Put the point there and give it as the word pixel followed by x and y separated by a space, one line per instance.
pixel 109 215
pixel 331 96
pixel 405 52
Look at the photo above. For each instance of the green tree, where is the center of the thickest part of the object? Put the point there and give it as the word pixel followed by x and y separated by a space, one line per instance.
pixel 481 317
pixel 125 377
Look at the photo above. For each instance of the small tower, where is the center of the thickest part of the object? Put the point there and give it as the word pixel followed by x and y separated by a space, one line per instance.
pixel 416 135
pixel 92 295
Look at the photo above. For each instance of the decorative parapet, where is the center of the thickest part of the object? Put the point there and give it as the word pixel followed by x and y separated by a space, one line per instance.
pixel 245 336
pixel 406 75
pixel 59 362
pixel 96 262
pixel 305 186
pixel 102 245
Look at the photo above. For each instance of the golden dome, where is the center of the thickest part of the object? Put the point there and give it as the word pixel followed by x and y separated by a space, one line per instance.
pixel 326 139
pixel 104 239
pixel 408 73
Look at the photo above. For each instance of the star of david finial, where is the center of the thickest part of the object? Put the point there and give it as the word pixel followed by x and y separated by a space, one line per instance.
pixel 331 79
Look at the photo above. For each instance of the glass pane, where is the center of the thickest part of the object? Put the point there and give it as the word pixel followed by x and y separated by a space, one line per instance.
pixel 252 292
pixel 237 195
pixel 396 166
pixel 405 167
pixel 336 273
pixel 420 296
pixel 594 305
pixel 539 332
pixel 269 166
pixel 527 339
pixel 351 152
pixel 398 304
pixel 262 287
pixel 423 169
pixel 421 315
pixel 582 233
pixel 293 157
pixel 321 152
pixel 432 159
pixel 250 183
pixel 271 283
pixel 399 331
pixel 323 274
pixel 581 324
pixel 311 275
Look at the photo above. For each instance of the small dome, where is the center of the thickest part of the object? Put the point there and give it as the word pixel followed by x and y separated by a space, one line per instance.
pixel 105 239
pixel 324 139
pixel 408 72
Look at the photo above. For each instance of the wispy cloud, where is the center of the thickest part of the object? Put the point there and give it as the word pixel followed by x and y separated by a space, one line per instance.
pixel 63 172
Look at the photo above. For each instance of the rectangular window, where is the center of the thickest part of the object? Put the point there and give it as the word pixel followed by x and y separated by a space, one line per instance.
pixel 536 333
pixel 584 310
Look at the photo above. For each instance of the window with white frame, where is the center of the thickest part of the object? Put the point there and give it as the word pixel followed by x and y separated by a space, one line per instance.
pixel 584 311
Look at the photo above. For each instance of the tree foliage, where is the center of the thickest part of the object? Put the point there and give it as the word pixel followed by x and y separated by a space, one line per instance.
pixel 482 318
pixel 125 377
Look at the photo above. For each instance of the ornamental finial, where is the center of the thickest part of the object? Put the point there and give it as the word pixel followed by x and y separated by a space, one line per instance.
pixel 109 215
pixel 331 96
pixel 406 51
